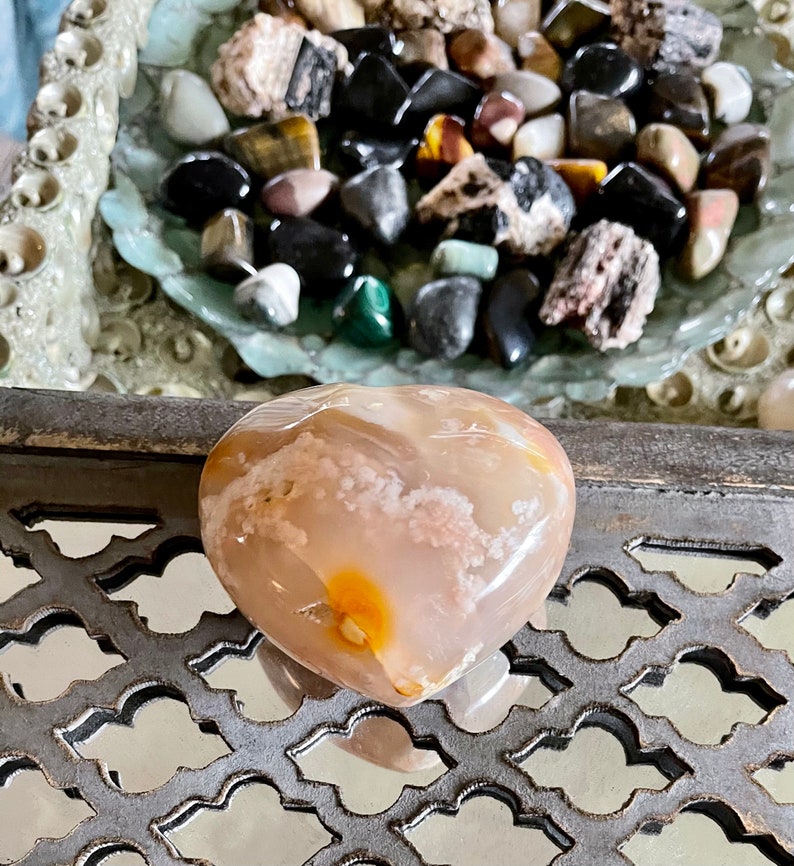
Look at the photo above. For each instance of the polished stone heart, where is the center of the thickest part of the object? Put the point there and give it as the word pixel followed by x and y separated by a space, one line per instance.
pixel 389 539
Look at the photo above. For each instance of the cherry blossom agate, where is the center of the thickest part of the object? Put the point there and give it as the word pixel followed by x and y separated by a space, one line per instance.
pixel 389 539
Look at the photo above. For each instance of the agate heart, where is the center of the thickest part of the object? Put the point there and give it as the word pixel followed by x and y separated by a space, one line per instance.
pixel 389 539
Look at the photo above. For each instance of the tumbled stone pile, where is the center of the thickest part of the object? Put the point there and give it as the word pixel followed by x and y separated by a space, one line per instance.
pixel 458 174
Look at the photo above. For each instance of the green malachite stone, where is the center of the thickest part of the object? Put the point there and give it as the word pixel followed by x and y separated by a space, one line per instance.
pixel 453 258
pixel 362 313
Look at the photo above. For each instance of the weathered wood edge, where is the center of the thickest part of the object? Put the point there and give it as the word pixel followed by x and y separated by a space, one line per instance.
pixel 654 455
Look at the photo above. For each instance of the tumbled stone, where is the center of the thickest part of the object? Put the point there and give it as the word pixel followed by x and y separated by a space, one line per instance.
pixel 323 257
pixel 537 93
pixel 496 121
pixel 605 286
pixel 485 203
pixel 362 313
pixel 367 40
pixel 377 199
pixel 423 46
pixel 568 21
pixel 730 91
pixel 203 183
pixel 373 95
pixel 442 315
pixel 632 195
pixel 600 127
pixel 330 15
pixel 270 149
pixel 666 35
pixel 670 153
pixel 538 55
pixel 440 91
pixel 776 405
pixel 454 257
pixel 332 515
pixel 739 159
pixel 480 55
pixel 531 180
pixel 603 67
pixel 227 245
pixel 445 16
pixel 365 151
pixel 271 66
pixel 270 297
pixel 582 176
pixel 677 98
pixel 298 192
pixel 514 18
pixel 712 214
pixel 443 145
pixel 510 317
pixel 542 138
pixel 190 112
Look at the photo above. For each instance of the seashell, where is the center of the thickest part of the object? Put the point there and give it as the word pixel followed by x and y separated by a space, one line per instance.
pixel 353 527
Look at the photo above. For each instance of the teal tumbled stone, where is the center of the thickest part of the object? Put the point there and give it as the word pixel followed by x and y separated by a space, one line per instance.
pixel 453 258
pixel 362 314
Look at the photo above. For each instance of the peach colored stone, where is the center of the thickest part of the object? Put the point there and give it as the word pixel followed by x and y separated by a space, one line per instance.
pixel 390 539
pixel 712 213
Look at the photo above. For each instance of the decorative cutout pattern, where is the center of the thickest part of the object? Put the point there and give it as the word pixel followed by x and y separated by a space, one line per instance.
pixel 263 751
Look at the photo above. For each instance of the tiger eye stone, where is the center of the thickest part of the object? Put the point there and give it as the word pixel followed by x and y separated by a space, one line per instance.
pixel 443 145
pixel 583 176
pixel 270 149
pixel 227 246
pixel 351 526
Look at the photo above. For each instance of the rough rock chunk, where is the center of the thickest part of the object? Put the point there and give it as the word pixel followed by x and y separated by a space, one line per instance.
pixel 605 286
pixel 666 34
pixel 491 202
pixel 273 67
pixel 443 15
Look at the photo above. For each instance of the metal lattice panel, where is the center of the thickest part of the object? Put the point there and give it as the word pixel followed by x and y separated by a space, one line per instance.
pixel 133 459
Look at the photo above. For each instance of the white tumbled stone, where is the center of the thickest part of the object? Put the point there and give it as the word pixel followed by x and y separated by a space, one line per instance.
pixel 730 92
pixel 542 138
pixel 190 111
pixel 270 297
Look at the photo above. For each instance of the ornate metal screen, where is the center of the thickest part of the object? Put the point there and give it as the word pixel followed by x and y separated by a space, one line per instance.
pixel 640 488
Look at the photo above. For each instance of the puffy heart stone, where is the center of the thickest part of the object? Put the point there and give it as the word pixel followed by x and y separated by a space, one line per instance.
pixel 389 539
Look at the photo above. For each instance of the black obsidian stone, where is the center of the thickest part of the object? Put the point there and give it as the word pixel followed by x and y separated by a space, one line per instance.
pixel 604 68
pixel 367 40
pixel 323 257
pixel 510 317
pixel 374 96
pixel 359 151
pixel 440 91
pixel 203 183
pixel 442 315
pixel 633 196
pixel 679 99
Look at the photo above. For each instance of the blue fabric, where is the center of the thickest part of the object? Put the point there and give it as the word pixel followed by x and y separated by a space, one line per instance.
pixel 27 29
